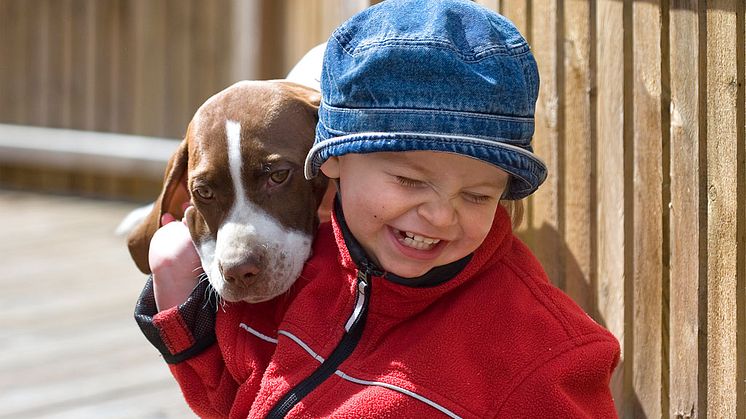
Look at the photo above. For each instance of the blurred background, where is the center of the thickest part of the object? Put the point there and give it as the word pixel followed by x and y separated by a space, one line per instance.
pixel 641 120
pixel 94 97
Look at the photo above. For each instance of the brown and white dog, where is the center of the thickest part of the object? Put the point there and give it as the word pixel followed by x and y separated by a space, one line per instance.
pixel 240 165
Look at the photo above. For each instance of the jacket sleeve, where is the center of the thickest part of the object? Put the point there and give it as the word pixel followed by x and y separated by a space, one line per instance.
pixel 571 384
pixel 185 336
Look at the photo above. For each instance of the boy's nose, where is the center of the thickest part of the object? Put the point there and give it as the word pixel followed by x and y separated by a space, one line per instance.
pixel 438 212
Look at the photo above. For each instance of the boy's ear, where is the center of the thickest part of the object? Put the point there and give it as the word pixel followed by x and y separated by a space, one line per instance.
pixel 331 167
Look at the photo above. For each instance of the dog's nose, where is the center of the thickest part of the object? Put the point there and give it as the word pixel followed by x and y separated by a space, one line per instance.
pixel 242 271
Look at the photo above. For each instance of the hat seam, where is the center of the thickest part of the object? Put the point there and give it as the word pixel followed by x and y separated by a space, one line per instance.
pixel 474 56
pixel 451 139
pixel 322 153
pixel 476 115
pixel 339 133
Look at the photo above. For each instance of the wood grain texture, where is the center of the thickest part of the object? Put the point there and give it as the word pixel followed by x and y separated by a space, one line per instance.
pixel 722 89
pixel 609 181
pixel 518 11
pixel 578 215
pixel 684 210
pixel 544 234
pixel 647 230
pixel 70 346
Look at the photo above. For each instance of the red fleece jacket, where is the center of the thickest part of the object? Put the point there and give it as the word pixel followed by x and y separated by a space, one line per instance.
pixel 496 340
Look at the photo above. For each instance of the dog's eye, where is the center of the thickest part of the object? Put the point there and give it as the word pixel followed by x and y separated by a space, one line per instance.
pixel 279 176
pixel 203 192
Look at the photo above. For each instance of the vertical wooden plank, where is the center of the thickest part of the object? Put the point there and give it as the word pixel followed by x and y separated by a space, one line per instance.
pixel 578 218
pixel 518 12
pixel 21 59
pixel 722 151
pixel 685 211
pixel 91 39
pixel 490 4
pixel 178 67
pixel 741 212
pixel 148 42
pixel 104 51
pixel 543 219
pixel 203 39
pixel 63 71
pixel 309 23
pixel 648 229
pixel 334 12
pixel 37 62
pixel 7 55
pixel 123 67
pixel 223 44
pixel 78 92
pixel 609 179
pixel 246 39
pixel 52 101
pixel 304 17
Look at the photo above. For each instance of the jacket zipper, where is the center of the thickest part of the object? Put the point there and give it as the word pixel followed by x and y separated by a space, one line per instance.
pixel 353 331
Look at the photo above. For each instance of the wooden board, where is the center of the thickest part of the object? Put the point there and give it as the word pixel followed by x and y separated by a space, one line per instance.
pixel 71 347
pixel 722 90
pixel 610 180
pixel 647 217
pixel 543 221
pixel 685 235
pixel 577 171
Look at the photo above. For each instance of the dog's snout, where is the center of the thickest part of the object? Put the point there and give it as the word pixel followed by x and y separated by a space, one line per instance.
pixel 237 272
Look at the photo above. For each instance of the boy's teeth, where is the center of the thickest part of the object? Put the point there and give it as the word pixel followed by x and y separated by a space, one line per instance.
pixel 417 241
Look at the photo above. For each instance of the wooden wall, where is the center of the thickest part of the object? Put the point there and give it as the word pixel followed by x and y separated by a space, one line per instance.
pixel 641 120
pixel 144 66
pixel 643 218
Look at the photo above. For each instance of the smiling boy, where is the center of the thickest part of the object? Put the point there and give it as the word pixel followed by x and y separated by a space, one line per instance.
pixel 418 300
pixel 429 208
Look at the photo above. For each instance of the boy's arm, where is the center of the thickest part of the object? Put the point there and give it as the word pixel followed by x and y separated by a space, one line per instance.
pixel 185 336
pixel 572 384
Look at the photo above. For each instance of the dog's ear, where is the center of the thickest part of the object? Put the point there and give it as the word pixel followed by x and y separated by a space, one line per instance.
pixel 171 200
pixel 308 95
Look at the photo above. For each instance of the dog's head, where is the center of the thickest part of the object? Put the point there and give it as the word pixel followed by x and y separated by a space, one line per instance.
pixel 241 167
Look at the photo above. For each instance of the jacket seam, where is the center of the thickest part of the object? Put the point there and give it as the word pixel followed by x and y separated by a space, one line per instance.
pixel 361 377
pixel 572 344
pixel 545 300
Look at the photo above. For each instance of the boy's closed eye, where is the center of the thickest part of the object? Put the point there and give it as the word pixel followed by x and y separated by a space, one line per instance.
pixel 409 182
pixel 475 198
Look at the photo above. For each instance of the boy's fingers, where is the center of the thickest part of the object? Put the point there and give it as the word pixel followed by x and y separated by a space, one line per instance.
pixel 167 218
pixel 187 210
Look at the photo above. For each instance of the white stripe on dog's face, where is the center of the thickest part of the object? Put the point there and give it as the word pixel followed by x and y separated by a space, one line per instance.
pixel 249 233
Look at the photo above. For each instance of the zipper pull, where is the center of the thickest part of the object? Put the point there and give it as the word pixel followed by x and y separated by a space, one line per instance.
pixel 362 285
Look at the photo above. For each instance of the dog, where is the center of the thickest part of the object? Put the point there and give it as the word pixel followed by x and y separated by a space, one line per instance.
pixel 251 213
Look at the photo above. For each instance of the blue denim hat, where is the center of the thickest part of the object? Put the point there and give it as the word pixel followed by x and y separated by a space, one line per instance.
pixel 439 75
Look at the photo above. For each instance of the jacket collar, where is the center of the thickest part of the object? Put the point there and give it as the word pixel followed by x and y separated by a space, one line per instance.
pixel 398 299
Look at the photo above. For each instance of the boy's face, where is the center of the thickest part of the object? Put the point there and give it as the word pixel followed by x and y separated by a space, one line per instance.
pixel 412 211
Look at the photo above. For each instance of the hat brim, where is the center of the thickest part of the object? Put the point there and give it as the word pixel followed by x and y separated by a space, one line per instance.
pixel 527 171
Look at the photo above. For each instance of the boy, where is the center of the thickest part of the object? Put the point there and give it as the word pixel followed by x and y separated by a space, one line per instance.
pixel 418 301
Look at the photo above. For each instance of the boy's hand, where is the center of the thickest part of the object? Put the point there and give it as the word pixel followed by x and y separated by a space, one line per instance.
pixel 174 262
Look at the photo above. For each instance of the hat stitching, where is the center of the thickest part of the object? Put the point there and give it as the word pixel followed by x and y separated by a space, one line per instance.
pixel 360 138
pixel 475 115
pixel 323 153
pixel 440 134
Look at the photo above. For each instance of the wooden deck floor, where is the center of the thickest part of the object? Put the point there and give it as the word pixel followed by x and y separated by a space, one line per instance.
pixel 69 346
